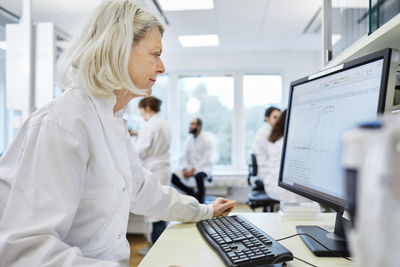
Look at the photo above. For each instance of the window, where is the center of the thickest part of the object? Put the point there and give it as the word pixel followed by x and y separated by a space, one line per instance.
pixel 5 128
pixel 260 92
pixel 211 99
pixel 160 90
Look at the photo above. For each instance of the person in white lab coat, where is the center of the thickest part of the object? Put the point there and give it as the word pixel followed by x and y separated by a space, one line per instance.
pixel 154 139
pixel 153 144
pixel 71 175
pixel 260 144
pixel 196 161
pixel 270 173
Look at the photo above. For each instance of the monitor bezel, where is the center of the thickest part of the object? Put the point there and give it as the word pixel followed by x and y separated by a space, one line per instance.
pixel 335 203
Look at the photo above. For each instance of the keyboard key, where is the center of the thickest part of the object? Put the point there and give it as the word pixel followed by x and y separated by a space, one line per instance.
pixel 256 257
pixel 231 254
pixel 240 260
pixel 227 240
pixel 210 230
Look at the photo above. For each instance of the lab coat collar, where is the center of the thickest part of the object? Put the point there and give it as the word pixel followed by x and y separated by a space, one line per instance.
pixel 196 137
pixel 268 124
pixel 155 116
pixel 106 105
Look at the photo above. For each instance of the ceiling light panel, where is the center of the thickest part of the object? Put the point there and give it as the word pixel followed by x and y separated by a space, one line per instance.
pixel 179 5
pixel 199 40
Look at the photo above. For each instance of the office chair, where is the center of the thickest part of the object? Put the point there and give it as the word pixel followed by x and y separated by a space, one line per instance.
pixel 258 197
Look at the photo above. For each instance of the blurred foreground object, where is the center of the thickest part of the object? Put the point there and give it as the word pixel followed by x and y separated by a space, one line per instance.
pixel 371 157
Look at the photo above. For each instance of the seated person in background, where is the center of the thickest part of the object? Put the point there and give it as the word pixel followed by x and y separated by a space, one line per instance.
pixel 153 144
pixel 132 132
pixel 270 173
pixel 196 161
pixel 261 143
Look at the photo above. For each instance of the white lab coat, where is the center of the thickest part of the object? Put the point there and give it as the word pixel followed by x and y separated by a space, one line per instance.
pixel 270 174
pixel 68 182
pixel 197 153
pixel 260 147
pixel 153 144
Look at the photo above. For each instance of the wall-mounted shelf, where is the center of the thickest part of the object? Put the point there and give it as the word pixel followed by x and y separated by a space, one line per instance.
pixel 388 35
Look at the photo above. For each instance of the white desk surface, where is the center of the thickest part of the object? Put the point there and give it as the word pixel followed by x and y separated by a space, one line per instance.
pixel 182 245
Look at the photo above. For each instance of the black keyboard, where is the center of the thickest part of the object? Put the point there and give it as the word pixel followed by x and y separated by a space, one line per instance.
pixel 240 243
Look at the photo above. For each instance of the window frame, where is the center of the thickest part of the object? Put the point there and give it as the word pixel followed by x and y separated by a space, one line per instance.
pixel 261 119
pixel 239 158
pixel 213 75
pixel 6 136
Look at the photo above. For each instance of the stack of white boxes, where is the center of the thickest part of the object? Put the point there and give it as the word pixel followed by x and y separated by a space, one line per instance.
pixel 299 210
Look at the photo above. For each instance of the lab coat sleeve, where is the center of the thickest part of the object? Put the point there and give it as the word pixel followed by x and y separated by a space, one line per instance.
pixel 152 199
pixel 205 161
pixel 43 200
pixel 165 203
pixel 144 142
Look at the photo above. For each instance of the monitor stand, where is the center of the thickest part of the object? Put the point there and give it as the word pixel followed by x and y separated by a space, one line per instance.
pixel 336 241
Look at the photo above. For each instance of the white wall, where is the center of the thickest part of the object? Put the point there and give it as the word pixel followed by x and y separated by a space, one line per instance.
pixel 291 65
pixel 3 132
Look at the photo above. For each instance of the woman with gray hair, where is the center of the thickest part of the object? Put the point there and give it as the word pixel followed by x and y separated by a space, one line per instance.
pixel 71 176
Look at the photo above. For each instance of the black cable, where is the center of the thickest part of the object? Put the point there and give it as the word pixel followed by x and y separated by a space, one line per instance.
pixel 283 256
pixel 317 242
pixel 304 261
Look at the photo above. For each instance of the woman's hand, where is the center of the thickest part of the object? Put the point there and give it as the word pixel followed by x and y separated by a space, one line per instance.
pixel 223 206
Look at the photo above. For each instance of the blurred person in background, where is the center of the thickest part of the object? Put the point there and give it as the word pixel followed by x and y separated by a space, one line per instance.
pixel 196 161
pixel 153 143
pixel 261 143
pixel 269 174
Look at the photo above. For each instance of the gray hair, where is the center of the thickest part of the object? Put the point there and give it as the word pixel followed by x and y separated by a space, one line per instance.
pixel 98 56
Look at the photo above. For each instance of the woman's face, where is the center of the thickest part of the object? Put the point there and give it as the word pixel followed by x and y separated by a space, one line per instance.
pixel 144 60
pixel 274 117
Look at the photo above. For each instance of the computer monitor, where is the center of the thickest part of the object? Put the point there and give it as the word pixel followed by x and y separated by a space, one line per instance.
pixel 321 108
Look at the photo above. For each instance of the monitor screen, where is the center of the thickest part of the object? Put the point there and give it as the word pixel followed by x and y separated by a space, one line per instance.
pixel 321 108
pixel 320 111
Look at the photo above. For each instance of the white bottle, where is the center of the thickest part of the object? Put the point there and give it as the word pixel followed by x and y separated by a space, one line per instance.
pixel 375 239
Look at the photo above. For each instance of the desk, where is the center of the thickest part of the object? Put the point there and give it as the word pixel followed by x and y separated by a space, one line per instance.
pixel 182 245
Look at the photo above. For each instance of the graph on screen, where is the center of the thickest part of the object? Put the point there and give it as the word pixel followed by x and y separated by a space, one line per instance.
pixel 321 124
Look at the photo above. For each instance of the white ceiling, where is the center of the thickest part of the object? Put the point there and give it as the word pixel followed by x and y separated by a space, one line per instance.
pixel 252 25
